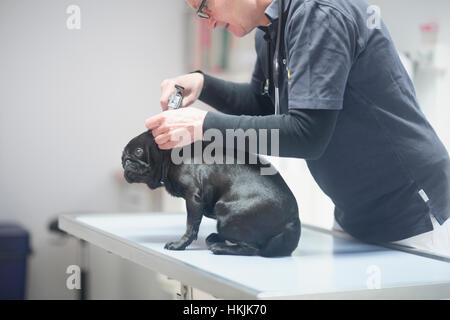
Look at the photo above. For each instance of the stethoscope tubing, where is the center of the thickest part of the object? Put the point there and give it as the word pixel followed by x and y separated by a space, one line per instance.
pixel 276 58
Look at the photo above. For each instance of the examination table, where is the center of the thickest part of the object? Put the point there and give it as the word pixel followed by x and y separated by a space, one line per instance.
pixel 325 265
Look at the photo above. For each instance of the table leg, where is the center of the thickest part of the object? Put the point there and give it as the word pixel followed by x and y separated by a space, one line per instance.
pixel 186 292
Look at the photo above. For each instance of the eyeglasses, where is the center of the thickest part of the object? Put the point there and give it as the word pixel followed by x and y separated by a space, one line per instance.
pixel 200 12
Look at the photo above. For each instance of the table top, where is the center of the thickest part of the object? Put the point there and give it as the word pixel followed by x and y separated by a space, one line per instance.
pixel 324 266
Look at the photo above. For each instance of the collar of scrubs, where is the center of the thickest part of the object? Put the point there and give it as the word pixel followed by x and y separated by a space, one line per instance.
pixel 272 14
pixel 272 10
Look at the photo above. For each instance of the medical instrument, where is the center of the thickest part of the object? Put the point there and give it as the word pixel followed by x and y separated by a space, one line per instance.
pixel 176 98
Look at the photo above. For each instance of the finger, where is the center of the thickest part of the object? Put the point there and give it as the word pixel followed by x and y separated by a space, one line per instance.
pixel 154 122
pixel 160 130
pixel 164 102
pixel 168 145
pixel 167 89
pixel 162 139
pixel 164 99
pixel 176 138
pixel 181 136
pixel 187 101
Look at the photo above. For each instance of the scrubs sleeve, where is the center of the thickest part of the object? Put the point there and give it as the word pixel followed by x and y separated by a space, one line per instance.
pixel 320 49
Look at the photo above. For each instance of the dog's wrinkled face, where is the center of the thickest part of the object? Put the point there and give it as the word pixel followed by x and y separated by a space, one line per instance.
pixel 141 161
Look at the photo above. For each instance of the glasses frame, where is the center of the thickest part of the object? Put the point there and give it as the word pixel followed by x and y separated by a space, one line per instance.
pixel 200 12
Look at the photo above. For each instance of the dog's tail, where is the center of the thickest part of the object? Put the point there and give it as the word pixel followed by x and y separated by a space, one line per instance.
pixel 283 243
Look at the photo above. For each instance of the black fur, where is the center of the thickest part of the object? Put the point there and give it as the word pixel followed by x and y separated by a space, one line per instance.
pixel 256 214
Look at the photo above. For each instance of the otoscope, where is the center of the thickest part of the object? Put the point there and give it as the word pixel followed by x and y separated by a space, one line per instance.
pixel 176 98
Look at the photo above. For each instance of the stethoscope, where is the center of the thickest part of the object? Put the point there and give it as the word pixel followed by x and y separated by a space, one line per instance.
pixel 275 61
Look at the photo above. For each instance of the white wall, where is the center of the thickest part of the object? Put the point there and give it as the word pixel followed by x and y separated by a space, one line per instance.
pixel 69 102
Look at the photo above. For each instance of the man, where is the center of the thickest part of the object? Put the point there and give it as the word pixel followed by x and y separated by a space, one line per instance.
pixel 347 106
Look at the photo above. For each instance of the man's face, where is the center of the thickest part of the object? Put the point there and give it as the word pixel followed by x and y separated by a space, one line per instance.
pixel 231 15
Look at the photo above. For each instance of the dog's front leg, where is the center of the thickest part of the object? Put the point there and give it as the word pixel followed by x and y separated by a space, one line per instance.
pixel 194 217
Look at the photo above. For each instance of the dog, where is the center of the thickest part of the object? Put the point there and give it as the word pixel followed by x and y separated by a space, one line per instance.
pixel 256 214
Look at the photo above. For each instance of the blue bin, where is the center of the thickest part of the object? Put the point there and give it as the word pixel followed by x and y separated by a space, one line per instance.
pixel 14 250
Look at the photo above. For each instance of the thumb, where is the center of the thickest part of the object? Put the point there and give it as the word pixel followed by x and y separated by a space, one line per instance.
pixel 188 100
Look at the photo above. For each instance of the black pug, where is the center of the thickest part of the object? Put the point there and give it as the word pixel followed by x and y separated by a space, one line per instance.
pixel 256 214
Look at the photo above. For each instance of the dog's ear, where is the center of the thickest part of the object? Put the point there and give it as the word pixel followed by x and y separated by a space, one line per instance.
pixel 154 159
pixel 151 147
pixel 155 166
pixel 150 134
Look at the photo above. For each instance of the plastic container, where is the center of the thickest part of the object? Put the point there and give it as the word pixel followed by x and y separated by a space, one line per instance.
pixel 14 251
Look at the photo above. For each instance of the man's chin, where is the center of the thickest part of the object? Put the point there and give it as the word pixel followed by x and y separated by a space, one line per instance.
pixel 238 32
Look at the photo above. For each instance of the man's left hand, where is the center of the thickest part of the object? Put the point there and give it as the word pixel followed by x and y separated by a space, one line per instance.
pixel 177 128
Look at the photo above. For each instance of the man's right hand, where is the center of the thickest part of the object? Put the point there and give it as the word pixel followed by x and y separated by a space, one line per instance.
pixel 192 83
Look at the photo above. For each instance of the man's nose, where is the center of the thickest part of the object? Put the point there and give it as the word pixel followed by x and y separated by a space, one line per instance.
pixel 212 23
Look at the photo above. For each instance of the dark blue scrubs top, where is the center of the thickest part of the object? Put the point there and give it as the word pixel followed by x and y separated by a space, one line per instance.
pixel 385 168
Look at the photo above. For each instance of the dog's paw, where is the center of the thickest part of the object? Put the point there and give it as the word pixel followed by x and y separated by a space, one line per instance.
pixel 212 239
pixel 217 248
pixel 175 245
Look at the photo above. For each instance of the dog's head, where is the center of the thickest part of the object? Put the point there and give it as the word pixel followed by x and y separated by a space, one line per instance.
pixel 142 161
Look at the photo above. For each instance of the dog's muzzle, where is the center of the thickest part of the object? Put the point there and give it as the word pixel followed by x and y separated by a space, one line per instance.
pixel 135 170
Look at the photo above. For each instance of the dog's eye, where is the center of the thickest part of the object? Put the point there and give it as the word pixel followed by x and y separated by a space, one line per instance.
pixel 139 152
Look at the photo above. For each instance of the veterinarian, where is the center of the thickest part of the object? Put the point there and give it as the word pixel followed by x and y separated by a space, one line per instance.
pixel 338 93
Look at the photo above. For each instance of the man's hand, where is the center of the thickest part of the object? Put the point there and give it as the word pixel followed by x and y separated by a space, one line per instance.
pixel 192 84
pixel 177 128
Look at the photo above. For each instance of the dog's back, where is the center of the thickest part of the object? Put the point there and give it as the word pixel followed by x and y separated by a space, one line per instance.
pixel 256 214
